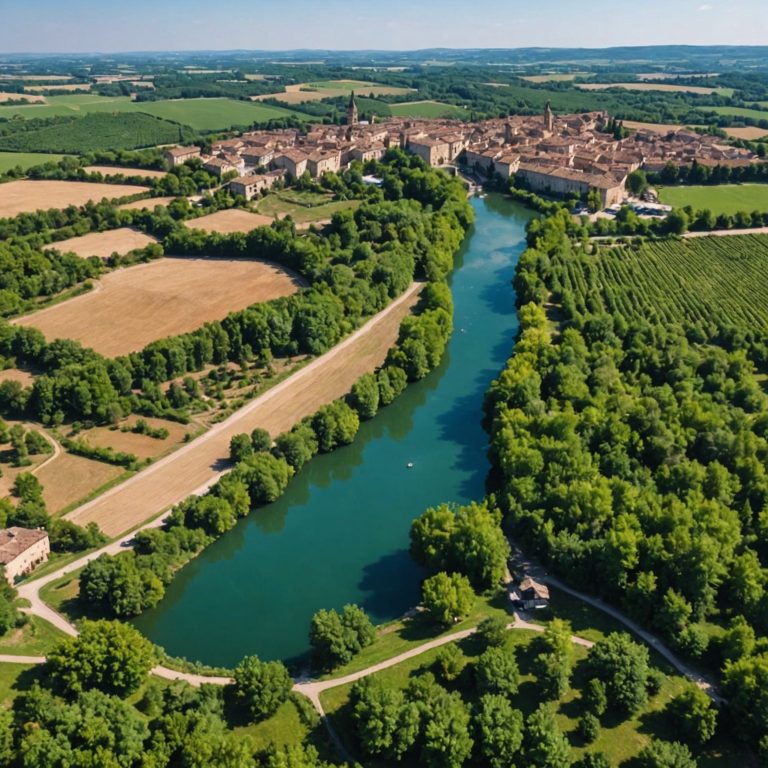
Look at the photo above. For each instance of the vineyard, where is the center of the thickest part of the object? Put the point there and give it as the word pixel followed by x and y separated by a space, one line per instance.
pixel 97 132
pixel 703 280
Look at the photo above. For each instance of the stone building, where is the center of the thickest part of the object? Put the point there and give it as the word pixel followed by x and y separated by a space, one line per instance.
pixel 21 549
pixel 179 155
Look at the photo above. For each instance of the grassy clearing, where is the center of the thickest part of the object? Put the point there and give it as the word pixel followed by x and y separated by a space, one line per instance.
pixel 15 679
pixel 35 638
pixel 728 199
pixel 655 86
pixel 428 109
pixel 200 114
pixel 403 635
pixel 755 114
pixel 562 77
pixel 302 214
pixel 26 160
pixel 284 728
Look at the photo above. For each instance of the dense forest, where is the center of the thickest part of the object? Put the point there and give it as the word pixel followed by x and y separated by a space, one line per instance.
pixel 631 454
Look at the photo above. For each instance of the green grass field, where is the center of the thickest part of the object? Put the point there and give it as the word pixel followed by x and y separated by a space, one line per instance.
pixel 26 160
pixel 200 114
pixel 427 109
pixel 271 205
pixel 705 280
pixel 728 198
pixel 35 638
pixel 755 114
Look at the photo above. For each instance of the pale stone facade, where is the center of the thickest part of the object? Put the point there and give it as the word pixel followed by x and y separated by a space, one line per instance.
pixel 21 549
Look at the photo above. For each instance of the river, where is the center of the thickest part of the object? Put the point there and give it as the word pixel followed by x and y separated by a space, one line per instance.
pixel 340 533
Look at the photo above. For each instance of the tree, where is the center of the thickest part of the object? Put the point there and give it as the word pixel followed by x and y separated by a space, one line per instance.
pixel 637 182
pixel 450 662
pixel 447 597
pixel 497 672
pixel 364 396
pixel 240 448
pixel 666 754
pixel 545 744
pixel 492 631
pixel 261 686
pixel 595 697
pixel 447 742
pixel 622 666
pixel 589 727
pixel 261 440
pixel 108 655
pixel 694 714
pixel 386 723
pixel 499 730
pixel 554 665
pixel 335 638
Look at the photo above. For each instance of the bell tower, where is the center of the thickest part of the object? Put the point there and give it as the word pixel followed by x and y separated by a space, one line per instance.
pixel 549 118
pixel 352 115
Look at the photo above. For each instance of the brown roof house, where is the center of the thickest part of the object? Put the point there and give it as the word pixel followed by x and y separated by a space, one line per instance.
pixel 21 549
pixel 529 594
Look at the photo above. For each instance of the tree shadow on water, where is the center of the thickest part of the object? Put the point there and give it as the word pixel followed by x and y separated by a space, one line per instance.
pixel 391 585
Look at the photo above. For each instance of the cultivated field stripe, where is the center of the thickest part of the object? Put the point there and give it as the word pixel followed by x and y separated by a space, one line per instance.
pixel 195 467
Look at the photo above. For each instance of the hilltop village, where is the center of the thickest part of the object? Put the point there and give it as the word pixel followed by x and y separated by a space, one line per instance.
pixel 558 155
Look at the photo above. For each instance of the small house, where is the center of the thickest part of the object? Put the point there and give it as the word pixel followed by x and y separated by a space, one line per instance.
pixel 529 594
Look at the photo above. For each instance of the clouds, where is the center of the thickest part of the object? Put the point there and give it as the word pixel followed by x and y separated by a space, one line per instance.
pixel 705 7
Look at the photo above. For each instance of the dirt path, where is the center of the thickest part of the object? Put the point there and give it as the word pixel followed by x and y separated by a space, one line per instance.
pixel 55 455
pixel 198 465
pixel 728 232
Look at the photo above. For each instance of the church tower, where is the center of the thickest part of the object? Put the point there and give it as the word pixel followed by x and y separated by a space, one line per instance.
pixel 352 116
pixel 549 118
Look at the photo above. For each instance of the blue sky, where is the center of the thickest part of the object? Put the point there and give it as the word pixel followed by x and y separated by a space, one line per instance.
pixel 125 25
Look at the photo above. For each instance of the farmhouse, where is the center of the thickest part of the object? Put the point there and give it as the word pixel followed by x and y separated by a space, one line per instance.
pixel 179 155
pixel 529 594
pixel 250 186
pixel 21 549
pixel 218 166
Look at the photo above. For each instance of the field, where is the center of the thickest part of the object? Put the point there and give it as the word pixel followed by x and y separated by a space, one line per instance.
pixel 104 244
pixel 140 445
pixel 655 127
pixel 728 198
pixel 186 471
pixel 62 87
pixel 113 170
pixel 229 221
pixel 25 160
pixel 328 89
pixel 427 109
pixel 132 307
pixel 272 205
pixel 200 114
pixel 749 133
pixel 755 114
pixel 14 374
pixel 26 196
pixel 146 203
pixel 96 132
pixel 721 280
pixel 29 97
pixel 68 479
pixel 562 77
pixel 665 87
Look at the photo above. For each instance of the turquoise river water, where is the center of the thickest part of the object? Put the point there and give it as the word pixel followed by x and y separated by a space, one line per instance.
pixel 340 533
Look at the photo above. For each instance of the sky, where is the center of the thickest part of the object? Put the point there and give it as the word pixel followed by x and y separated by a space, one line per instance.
pixel 43 26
